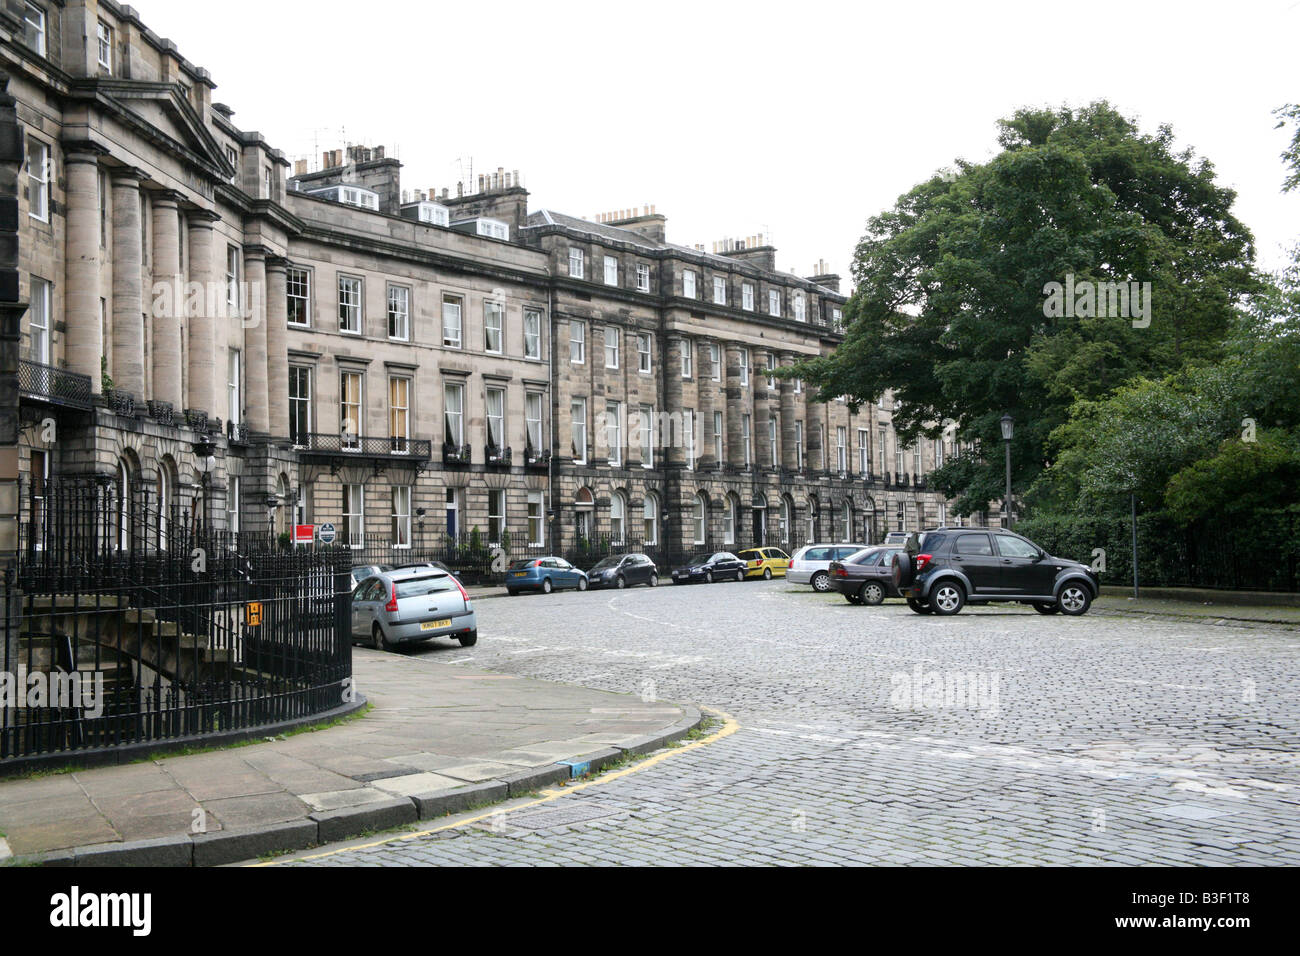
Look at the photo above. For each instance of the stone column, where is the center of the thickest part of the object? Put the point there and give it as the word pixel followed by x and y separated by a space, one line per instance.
pixel 254 323
pixel 277 346
pixel 737 405
pixel 167 303
pixel 704 402
pixel 83 342
pixel 202 311
pixel 812 433
pixel 789 453
pixel 762 441
pixel 675 454
pixel 128 299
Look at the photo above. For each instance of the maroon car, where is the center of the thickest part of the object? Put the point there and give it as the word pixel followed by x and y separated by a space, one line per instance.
pixel 866 577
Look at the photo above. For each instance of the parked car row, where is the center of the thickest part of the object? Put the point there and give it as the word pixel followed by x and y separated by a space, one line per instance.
pixel 941 571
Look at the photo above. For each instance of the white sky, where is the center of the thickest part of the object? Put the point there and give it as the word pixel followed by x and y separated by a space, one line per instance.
pixel 733 118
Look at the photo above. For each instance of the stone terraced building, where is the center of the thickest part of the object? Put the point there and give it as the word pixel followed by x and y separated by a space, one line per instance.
pixel 287 345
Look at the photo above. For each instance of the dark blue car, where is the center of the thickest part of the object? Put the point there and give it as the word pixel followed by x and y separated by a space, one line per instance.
pixel 545 575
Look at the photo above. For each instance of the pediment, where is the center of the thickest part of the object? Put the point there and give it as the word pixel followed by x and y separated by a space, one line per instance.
pixel 161 111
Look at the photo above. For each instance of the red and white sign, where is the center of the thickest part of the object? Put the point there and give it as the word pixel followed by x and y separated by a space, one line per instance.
pixel 304 533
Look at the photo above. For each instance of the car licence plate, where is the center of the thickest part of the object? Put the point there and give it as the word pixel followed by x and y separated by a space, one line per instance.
pixel 434 625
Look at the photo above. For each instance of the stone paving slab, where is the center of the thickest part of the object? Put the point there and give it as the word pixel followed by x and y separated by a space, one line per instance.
pixel 439 735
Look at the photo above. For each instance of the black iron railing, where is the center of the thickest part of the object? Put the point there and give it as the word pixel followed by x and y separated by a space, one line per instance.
pixel 342 445
pixel 498 457
pixel 237 433
pixel 455 454
pixel 161 412
pixel 55 385
pixel 155 628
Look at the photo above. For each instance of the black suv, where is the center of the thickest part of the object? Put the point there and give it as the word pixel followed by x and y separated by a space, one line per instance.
pixel 959 566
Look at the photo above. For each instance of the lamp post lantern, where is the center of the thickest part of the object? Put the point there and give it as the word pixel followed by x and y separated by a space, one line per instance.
pixel 1008 431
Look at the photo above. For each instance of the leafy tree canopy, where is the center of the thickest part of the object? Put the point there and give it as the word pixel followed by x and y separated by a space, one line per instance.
pixel 951 284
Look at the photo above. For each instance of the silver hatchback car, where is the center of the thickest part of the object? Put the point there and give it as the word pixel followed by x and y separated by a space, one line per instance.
pixel 811 564
pixel 410 605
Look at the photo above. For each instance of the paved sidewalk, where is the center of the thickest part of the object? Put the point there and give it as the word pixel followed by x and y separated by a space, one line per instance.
pixel 1207 612
pixel 441 738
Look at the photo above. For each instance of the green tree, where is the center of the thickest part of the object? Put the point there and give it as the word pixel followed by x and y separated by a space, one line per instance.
pixel 949 306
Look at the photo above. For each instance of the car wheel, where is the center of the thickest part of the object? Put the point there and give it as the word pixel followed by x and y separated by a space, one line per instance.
pixel 853 598
pixel 767 574
pixel 821 582
pixel 947 597
pixel 547 586
pixel 470 639
pixel 582 584
pixel 740 575
pixel 1044 608
pixel 621 583
pixel 512 592
pixel 377 639
pixel 872 594
pixel 708 577
pixel 654 580
pixel 920 607
pixel 1074 600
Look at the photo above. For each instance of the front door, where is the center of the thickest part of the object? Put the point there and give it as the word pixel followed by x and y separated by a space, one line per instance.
pixel 760 527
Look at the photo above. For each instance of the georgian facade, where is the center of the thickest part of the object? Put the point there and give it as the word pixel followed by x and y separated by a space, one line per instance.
pixel 290 346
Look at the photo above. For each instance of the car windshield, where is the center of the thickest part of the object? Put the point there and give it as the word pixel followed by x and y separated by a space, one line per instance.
pixel 434 584
pixel 700 559
pixel 610 562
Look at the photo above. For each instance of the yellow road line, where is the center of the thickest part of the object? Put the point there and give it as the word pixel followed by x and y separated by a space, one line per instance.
pixel 729 727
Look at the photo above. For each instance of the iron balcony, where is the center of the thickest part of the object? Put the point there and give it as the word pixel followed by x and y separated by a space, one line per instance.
pixel 55 386
pixel 334 446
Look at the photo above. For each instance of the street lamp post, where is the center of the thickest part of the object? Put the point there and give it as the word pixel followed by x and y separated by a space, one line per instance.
pixel 1008 430
pixel 205 461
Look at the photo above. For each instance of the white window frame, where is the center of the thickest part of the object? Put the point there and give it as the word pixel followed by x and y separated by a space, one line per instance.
pixel 453 413
pixel 532 333
pixel 747 296
pixel 688 358
pixel 577 342
pixel 611 270
pixel 773 442
pixel 800 307
pixel 234 405
pixel 347 286
pixel 841 448
pixel 688 432
pixel 773 301
pixel 719 290
pixel 453 308
pixel 688 284
pixel 718 436
pixel 38 180
pixel 399 313
pixel 771 368
pixel 536 519
pixel 401 499
pixel 645 356
pixel 701 517
pixel 297 288
pixel 575 263
pixel 357 409
pixel 647 436
pixel 301 400
pixel 746 429
pixel 357 518
pixel 611 337
pixel 498 418
pixel 614 432
pixel 494 320
pixel 104 46
pixel 650 519
pixel 399 414
pixel 41 299
pixel 578 430
pixel 864 451
pixel 715 360
pixel 618 517
pixel 533 423
pixel 744 368
pixel 798 445
pixel 642 278
pixel 730 518
pixel 37 29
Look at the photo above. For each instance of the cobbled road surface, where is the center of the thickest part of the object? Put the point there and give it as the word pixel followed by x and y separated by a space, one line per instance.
pixel 877 736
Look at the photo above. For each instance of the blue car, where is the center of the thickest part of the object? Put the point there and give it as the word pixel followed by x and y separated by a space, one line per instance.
pixel 545 575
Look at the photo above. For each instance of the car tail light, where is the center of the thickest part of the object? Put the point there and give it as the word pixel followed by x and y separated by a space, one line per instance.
pixel 841 572
pixel 460 587
pixel 392 601
pixel 922 560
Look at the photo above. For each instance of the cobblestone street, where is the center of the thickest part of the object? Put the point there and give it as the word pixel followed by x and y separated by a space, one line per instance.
pixel 873 735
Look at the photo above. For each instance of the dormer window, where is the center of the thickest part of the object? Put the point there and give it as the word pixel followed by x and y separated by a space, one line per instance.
pixel 351 195
pixel 493 229
pixel 800 308
pixel 433 213
pixel 105 37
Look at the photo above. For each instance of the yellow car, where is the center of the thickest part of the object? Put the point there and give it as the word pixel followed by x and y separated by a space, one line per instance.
pixel 765 563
